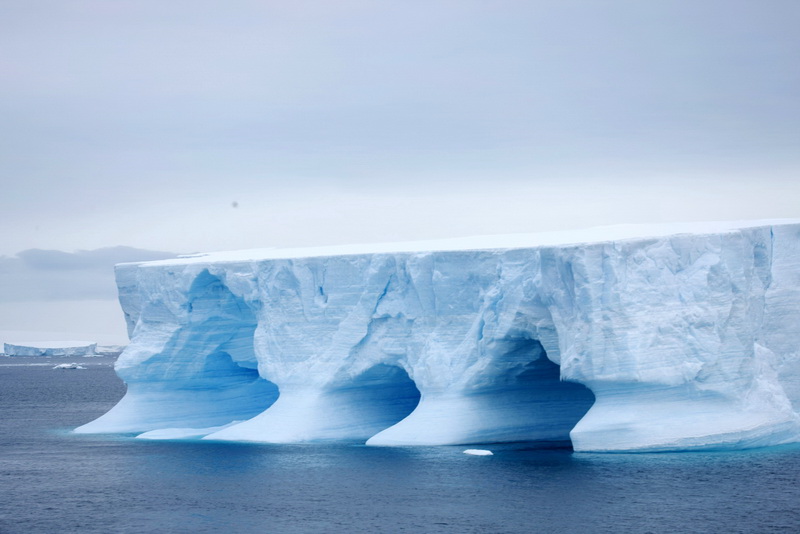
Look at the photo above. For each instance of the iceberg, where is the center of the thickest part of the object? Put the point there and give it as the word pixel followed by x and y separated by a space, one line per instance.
pixel 626 338
pixel 50 348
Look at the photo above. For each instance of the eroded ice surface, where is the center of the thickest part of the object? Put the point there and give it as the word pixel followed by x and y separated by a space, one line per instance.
pixel 618 339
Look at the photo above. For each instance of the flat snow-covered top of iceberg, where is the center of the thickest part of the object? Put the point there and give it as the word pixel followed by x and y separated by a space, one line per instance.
pixel 598 234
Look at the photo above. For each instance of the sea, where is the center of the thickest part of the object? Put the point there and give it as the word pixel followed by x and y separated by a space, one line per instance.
pixel 54 481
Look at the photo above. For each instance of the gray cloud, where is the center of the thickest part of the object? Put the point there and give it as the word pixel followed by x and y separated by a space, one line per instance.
pixel 114 110
pixel 142 121
pixel 46 260
pixel 43 275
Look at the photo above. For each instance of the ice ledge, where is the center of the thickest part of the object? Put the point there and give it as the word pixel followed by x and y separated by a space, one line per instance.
pixel 667 337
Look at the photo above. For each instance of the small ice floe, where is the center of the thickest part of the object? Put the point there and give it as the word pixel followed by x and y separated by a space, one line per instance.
pixel 183 433
pixel 478 452
pixel 69 366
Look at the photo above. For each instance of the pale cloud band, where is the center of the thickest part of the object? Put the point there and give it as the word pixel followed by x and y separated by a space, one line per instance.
pixel 142 122
pixel 47 275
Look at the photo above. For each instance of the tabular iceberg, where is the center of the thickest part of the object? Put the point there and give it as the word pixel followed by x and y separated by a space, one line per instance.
pixel 50 348
pixel 617 339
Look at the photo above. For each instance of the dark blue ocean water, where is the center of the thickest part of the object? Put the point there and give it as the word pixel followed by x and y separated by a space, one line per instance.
pixel 54 481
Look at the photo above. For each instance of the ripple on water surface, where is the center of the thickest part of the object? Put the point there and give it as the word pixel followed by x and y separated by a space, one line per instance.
pixel 52 480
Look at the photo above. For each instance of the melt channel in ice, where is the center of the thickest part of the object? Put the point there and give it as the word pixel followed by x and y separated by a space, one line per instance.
pixel 627 338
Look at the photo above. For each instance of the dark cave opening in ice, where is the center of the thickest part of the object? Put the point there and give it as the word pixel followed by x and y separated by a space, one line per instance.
pixel 376 399
pixel 528 401
pixel 204 376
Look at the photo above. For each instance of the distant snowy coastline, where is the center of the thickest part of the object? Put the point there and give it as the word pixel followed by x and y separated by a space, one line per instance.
pixel 50 348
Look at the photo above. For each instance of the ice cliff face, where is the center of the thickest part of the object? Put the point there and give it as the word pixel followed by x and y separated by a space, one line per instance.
pixel 687 339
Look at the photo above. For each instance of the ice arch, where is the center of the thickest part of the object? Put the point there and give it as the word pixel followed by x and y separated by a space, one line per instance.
pixel 351 408
pixel 378 398
pixel 521 399
pixel 204 376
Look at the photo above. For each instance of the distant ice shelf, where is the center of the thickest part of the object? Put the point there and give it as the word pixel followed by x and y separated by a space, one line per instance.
pixel 50 348
pixel 649 338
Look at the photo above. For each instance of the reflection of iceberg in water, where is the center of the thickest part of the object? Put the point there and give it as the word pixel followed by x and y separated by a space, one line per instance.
pixel 685 339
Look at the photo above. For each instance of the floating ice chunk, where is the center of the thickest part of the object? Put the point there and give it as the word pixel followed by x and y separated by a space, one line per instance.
pixel 69 366
pixel 478 452
pixel 183 433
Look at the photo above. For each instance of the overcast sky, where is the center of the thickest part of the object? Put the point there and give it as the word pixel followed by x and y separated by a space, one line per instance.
pixel 194 125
